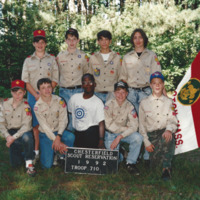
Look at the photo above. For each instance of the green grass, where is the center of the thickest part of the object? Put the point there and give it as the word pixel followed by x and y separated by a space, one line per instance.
pixel 54 184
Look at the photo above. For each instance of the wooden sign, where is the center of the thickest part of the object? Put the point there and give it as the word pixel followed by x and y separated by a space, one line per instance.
pixel 91 161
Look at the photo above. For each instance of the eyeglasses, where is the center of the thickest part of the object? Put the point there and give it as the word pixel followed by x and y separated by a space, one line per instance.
pixel 87 83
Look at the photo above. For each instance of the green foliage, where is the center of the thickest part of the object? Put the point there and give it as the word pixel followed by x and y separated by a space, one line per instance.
pixel 173 31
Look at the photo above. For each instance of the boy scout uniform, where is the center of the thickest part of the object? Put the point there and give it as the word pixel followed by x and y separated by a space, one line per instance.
pixel 136 70
pixel 156 116
pixel 120 119
pixel 19 118
pixel 35 68
pixel 51 117
pixel 71 67
pixel 105 74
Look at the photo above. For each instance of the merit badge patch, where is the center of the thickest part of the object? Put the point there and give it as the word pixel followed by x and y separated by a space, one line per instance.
pixel 189 93
pixel 111 62
pixel 97 72
pixel 134 113
pixel 28 111
pixel 62 102
pixel 156 59
pixel 49 64
pixel 79 56
pixel 112 72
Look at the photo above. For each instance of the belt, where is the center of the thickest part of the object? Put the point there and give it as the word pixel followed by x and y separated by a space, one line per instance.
pixel 141 89
pixel 71 88
pixel 103 92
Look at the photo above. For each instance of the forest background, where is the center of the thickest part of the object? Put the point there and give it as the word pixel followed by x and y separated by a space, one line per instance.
pixel 172 27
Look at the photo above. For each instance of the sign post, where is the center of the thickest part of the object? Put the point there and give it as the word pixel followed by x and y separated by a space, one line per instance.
pixel 91 161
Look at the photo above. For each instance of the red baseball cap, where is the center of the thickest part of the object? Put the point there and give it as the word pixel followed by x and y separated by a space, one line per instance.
pixel 39 33
pixel 18 84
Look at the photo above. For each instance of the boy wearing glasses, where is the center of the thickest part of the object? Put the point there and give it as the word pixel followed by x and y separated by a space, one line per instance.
pixel 87 116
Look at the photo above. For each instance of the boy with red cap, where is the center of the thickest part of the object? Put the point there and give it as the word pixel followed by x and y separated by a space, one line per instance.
pixel 37 66
pixel 15 126
pixel 157 123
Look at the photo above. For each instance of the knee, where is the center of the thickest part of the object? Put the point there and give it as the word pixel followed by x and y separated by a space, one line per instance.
pixel 137 137
pixel 27 137
pixel 68 137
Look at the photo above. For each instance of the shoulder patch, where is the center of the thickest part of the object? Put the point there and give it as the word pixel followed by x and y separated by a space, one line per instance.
pixel 5 99
pixel 87 58
pixel 28 111
pixel 62 103
pixel 156 59
pixel 134 113
pixel 106 107
pixel 25 102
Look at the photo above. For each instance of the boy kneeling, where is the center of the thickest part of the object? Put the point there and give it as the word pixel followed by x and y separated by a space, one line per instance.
pixel 157 123
pixel 51 114
pixel 121 125
pixel 15 126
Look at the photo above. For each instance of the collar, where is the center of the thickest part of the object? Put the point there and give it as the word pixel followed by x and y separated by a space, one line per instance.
pixel 161 98
pixel 45 55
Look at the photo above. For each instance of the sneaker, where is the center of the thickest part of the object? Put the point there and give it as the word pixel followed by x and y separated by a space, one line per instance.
pixel 166 174
pixel 36 159
pixel 55 160
pixel 31 170
pixel 132 169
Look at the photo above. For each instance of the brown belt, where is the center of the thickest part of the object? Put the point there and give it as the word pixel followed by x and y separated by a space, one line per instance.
pixel 71 88
pixel 140 88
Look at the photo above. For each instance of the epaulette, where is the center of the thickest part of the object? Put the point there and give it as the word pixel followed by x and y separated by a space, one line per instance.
pixel 28 56
pixel 25 102
pixel 118 53
pixel 52 54
pixel 5 99
pixel 92 53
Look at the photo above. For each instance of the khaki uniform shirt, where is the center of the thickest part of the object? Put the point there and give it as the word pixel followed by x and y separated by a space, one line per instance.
pixel 15 118
pixel 136 71
pixel 106 75
pixel 156 114
pixel 35 68
pixel 72 66
pixel 51 117
pixel 120 119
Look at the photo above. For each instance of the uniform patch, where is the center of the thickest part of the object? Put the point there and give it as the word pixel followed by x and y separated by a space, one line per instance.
pixel 134 113
pixel 112 71
pixel 79 56
pixel 120 61
pixel 48 74
pixel 35 108
pixel 62 102
pixel 156 59
pixel 111 62
pixel 87 58
pixel 52 54
pixel 106 107
pixel 28 56
pixel 97 72
pixel 118 53
pixel 6 99
pixel 79 67
pixel 28 111
pixel 49 64
pixel 25 102
pixel 190 92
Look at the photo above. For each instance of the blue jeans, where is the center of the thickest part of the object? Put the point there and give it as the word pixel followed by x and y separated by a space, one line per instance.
pixel 135 97
pixel 25 142
pixel 31 102
pixel 134 140
pixel 102 96
pixel 47 153
pixel 66 95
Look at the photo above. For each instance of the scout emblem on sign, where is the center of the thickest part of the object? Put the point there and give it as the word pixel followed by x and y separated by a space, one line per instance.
pixel 97 72
pixel 189 93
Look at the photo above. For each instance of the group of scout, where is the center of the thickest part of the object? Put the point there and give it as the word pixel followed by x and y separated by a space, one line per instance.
pixel 104 98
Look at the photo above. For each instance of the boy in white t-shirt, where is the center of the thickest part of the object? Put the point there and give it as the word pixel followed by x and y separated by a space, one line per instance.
pixel 87 115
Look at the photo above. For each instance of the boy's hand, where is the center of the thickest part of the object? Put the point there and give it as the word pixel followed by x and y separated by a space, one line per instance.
pixel 58 145
pixel 150 148
pixel 9 140
pixel 116 142
pixel 167 135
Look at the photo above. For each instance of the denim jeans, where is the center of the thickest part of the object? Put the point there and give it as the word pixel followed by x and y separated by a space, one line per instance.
pixel 47 153
pixel 66 95
pixel 31 102
pixel 134 140
pixel 24 143
pixel 135 97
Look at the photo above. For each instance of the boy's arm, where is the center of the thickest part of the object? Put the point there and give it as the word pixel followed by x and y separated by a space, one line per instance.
pixel 55 77
pixel 155 64
pixel 101 134
pixel 32 91
pixel 43 123
pixel 123 71
pixel 85 64
pixel 3 124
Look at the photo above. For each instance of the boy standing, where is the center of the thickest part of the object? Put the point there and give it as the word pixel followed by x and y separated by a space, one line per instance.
pixel 51 113
pixel 37 66
pixel 121 124
pixel 105 66
pixel 15 126
pixel 73 63
pixel 157 123
pixel 87 116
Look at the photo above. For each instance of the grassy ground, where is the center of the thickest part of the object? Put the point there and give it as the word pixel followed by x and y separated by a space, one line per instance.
pixel 55 184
